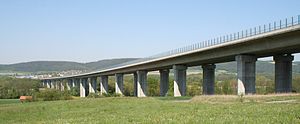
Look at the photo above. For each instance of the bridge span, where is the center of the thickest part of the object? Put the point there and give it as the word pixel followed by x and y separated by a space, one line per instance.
pixel 279 39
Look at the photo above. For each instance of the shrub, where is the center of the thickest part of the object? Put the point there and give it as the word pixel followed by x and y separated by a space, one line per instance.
pixel 116 95
pixel 94 95
pixel 75 91
pixel 13 88
pixel 106 94
pixel 51 95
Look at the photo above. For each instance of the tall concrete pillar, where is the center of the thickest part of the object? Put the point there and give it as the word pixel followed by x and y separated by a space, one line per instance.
pixel 119 84
pixel 141 83
pixel 44 83
pixel 135 85
pixel 77 82
pixel 93 85
pixel 283 73
pixel 83 85
pixel 52 84
pixel 57 86
pixel 49 84
pixel 246 74
pixel 69 83
pixel 179 80
pixel 104 84
pixel 62 86
pixel 73 82
pixel 208 79
pixel 164 82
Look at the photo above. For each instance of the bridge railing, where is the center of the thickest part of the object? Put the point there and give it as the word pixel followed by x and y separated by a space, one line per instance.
pixel 276 25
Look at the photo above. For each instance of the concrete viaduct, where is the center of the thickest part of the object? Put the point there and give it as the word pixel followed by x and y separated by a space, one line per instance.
pixel 279 39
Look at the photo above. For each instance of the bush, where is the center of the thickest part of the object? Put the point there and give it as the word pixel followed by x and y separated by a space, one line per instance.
pixel 75 91
pixel 13 88
pixel 94 95
pixel 117 95
pixel 52 94
pixel 106 95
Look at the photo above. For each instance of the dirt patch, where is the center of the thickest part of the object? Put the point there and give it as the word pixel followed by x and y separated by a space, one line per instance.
pixel 285 101
pixel 270 98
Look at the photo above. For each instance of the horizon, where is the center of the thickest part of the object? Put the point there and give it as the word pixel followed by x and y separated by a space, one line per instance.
pixel 264 60
pixel 84 32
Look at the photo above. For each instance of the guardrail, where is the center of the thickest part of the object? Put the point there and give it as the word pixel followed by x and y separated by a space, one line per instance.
pixel 276 25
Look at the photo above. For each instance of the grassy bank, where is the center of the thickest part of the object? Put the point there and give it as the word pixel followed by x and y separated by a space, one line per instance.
pixel 203 109
pixel 8 101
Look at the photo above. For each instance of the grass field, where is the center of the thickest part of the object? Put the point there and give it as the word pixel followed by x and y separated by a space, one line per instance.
pixel 201 109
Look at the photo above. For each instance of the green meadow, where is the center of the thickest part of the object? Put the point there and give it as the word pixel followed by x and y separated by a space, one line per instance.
pixel 121 110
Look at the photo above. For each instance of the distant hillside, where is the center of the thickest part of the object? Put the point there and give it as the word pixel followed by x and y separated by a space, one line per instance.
pixel 39 66
pixel 58 66
pixel 105 63
pixel 48 66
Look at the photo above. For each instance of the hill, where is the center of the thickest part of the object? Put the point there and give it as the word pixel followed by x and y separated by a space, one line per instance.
pixel 50 66
pixel 57 66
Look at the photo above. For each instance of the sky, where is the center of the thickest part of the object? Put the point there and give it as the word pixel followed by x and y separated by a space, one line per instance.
pixel 92 30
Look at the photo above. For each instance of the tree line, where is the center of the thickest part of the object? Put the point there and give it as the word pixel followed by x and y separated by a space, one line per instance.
pixel 225 84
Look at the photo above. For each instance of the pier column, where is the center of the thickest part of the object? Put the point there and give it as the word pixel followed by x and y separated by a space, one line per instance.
pixel 52 84
pixel 164 82
pixel 62 86
pixel 135 85
pixel 208 79
pixel 57 84
pixel 83 85
pixel 77 82
pixel 283 73
pixel 141 83
pixel 73 82
pixel 49 84
pixel 93 85
pixel 104 84
pixel 69 83
pixel 246 74
pixel 119 84
pixel 179 80
pixel 44 83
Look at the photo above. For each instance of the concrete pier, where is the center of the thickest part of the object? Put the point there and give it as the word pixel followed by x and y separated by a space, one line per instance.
pixel 179 80
pixel 104 85
pixel 69 84
pixel 52 84
pixel 83 84
pixel 44 83
pixel 135 80
pixel 119 84
pixel 57 84
pixel 62 86
pixel 77 82
pixel 164 82
pixel 93 85
pixel 246 74
pixel 283 73
pixel 208 79
pixel 49 84
pixel 141 83
pixel 73 82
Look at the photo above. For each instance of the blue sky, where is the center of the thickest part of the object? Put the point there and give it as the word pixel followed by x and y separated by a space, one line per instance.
pixel 85 31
